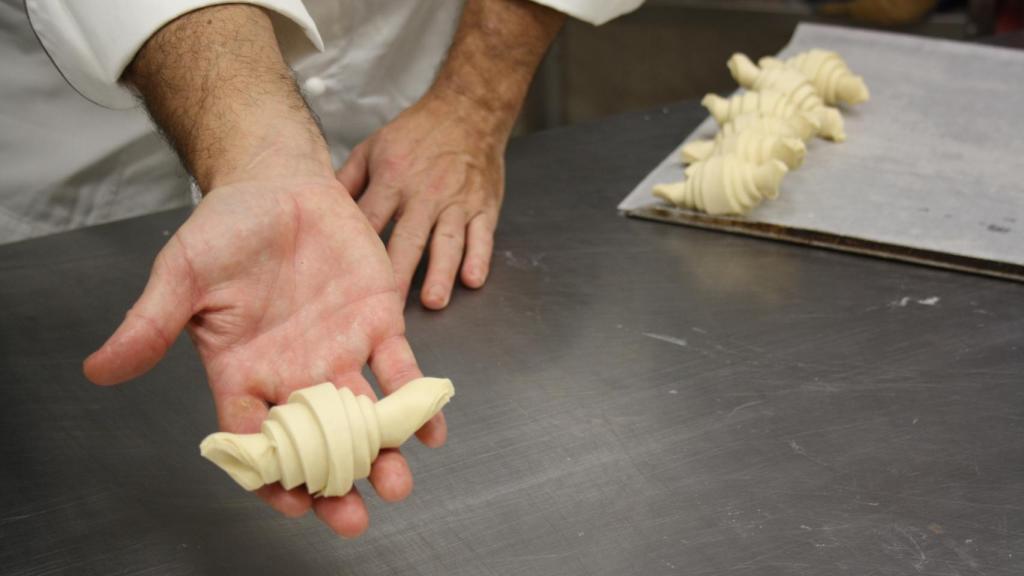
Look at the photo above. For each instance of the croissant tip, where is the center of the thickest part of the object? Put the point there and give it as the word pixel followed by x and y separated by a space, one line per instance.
pixel 742 69
pixel 717 106
pixel 769 177
pixel 221 449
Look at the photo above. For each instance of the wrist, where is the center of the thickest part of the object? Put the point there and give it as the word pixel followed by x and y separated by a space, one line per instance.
pixel 271 145
pixel 215 82
pixel 486 122
pixel 491 62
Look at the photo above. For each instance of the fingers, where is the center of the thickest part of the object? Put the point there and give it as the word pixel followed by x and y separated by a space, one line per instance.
pixel 346 515
pixel 394 364
pixel 354 173
pixel 292 503
pixel 451 237
pixel 151 326
pixel 446 248
pixel 355 382
pixel 391 477
pixel 479 248
pixel 379 204
pixel 407 242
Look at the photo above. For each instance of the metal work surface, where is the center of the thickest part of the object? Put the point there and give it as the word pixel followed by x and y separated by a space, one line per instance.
pixel 632 398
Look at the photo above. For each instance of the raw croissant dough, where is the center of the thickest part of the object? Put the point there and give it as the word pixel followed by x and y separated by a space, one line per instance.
pixel 750 145
pixel 828 73
pixel 775 103
pixel 793 127
pixel 796 88
pixel 325 437
pixel 724 185
pixel 763 131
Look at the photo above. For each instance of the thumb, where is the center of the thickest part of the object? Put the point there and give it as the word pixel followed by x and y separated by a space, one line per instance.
pixel 152 324
pixel 353 174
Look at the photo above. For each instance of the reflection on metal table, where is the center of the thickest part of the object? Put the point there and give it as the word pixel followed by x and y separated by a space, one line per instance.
pixel 633 398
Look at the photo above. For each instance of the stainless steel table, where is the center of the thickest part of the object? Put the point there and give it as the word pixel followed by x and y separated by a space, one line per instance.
pixel 632 398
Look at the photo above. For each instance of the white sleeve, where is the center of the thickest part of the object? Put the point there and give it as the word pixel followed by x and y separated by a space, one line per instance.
pixel 92 41
pixel 596 12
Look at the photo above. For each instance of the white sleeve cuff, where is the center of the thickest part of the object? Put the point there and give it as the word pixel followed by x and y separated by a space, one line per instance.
pixel 92 41
pixel 596 12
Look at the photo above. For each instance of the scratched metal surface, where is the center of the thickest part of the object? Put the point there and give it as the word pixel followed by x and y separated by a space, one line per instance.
pixel 632 398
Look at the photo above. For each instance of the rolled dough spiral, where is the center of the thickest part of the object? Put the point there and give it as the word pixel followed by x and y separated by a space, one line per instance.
pixel 325 437
pixel 775 103
pixel 780 78
pixel 800 126
pixel 828 73
pixel 724 185
pixel 750 145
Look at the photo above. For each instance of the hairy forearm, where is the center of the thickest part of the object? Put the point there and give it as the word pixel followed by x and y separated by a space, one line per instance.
pixel 216 84
pixel 496 50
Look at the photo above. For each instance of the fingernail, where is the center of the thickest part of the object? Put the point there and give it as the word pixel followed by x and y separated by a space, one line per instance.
pixel 438 295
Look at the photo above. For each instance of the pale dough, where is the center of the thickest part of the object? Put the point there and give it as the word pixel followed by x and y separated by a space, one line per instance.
pixel 751 146
pixel 763 131
pixel 326 437
pixel 828 73
pixel 774 103
pixel 724 185
pixel 800 126
pixel 781 79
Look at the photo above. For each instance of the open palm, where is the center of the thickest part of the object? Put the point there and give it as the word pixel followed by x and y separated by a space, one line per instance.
pixel 281 285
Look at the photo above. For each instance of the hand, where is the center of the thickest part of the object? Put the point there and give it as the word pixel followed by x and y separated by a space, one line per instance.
pixel 281 284
pixel 441 176
pixel 438 169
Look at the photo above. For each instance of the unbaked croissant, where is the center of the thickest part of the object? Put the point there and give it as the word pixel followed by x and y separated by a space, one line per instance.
pixel 724 185
pixel 783 79
pixel 775 103
pixel 799 126
pixel 753 146
pixel 828 73
pixel 325 437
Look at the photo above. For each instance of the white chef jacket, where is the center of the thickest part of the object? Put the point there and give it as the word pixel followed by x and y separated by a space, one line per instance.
pixel 65 162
